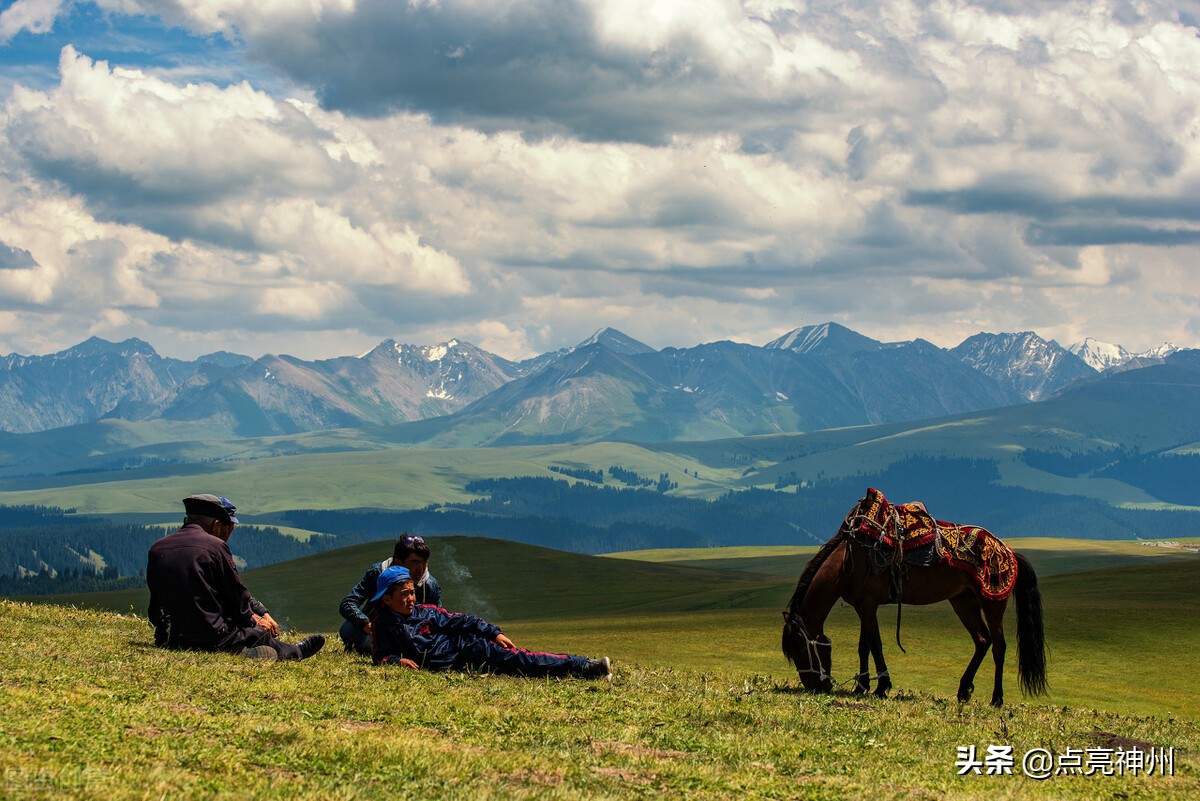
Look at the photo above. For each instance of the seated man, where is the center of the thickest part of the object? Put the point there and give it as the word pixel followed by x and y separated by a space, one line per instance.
pixel 197 599
pixel 431 638
pixel 409 552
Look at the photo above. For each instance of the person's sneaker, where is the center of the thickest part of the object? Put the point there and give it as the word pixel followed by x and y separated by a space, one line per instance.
pixel 262 652
pixel 310 645
pixel 598 669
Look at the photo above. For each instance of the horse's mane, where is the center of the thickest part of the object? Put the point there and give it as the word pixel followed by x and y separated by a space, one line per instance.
pixel 810 570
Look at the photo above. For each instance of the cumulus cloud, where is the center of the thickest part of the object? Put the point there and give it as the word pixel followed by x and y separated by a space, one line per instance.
pixel 719 170
pixel 34 16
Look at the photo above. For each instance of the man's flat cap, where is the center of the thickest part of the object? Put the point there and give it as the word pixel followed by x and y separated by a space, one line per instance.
pixel 211 506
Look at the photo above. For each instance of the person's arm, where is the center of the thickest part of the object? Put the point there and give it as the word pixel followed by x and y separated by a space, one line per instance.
pixel 352 605
pixel 262 617
pixel 399 660
pixel 235 598
pixel 460 623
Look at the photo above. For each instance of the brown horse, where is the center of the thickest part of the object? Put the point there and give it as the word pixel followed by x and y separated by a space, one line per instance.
pixel 842 569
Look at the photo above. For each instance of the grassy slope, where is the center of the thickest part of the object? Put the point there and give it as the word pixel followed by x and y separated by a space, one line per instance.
pixel 1118 636
pixel 388 479
pixel 1050 556
pixel 507 581
pixel 107 716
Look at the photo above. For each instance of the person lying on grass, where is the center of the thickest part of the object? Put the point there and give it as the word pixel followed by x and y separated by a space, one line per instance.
pixel 430 638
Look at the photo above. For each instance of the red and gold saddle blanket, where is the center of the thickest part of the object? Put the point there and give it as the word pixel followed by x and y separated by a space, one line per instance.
pixel 909 526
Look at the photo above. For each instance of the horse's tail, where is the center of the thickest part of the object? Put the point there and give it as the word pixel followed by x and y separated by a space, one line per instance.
pixel 794 638
pixel 1031 639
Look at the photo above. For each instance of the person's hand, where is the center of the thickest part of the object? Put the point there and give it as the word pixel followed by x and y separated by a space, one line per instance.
pixel 504 642
pixel 408 663
pixel 367 629
pixel 267 624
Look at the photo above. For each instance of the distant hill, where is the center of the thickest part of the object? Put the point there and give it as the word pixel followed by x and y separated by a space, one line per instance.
pixel 1128 439
pixel 501 580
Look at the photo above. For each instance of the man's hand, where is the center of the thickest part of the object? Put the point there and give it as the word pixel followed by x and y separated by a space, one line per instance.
pixel 266 623
pixel 367 629
pixel 408 663
pixel 504 642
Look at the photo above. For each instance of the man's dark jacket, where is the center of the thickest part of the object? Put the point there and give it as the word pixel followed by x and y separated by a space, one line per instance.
pixel 197 598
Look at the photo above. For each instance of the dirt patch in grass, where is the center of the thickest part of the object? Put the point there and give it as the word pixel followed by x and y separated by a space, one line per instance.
pixel 623 775
pixel 359 725
pixel 600 746
pixel 529 776
pixel 1107 739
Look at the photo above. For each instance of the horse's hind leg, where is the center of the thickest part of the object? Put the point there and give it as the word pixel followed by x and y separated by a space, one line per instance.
pixel 993 611
pixel 966 606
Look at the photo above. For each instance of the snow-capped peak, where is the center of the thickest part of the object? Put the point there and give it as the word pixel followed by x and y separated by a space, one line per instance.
pixel 1161 352
pixel 802 339
pixel 1099 355
pixel 435 353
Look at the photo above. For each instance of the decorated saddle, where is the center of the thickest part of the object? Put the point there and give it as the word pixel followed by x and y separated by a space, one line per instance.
pixel 906 533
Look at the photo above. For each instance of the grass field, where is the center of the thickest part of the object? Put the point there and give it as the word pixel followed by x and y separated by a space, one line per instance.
pixel 703 705
pixel 107 716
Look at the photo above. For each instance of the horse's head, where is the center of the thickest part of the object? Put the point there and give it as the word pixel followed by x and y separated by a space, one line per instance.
pixel 812 656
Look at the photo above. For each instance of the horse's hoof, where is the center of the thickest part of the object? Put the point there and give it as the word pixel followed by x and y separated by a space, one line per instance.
pixel 998 702
pixel 881 690
pixel 964 693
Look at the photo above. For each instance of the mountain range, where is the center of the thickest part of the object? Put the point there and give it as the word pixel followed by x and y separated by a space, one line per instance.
pixel 608 387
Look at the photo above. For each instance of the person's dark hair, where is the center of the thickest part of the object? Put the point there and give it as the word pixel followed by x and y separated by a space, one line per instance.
pixel 407 545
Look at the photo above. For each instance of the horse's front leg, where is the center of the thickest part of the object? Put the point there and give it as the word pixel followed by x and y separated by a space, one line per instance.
pixel 869 642
pixel 866 640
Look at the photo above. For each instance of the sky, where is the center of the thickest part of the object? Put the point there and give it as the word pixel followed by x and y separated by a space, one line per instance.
pixel 277 176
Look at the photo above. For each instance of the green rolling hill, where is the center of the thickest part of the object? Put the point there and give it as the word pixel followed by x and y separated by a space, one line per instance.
pixel 498 579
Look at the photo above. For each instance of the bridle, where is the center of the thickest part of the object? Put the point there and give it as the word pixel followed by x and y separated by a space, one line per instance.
pixel 811 645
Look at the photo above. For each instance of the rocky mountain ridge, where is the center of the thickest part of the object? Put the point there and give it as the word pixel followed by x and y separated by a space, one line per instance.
pixel 609 385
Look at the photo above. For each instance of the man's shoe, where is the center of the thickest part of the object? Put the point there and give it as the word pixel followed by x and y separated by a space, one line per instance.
pixel 264 653
pixel 598 669
pixel 310 645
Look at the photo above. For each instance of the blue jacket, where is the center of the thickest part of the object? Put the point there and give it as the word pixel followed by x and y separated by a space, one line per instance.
pixel 357 607
pixel 432 637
